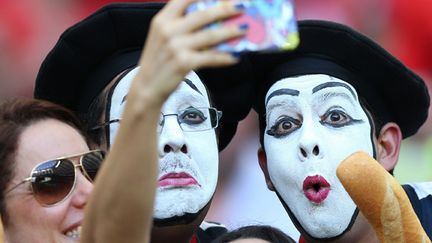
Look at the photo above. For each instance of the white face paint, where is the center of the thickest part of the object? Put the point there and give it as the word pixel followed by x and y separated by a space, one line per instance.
pixel 118 102
pixel 188 166
pixel 315 122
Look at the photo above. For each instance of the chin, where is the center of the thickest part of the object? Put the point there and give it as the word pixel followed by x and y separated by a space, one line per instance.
pixel 184 219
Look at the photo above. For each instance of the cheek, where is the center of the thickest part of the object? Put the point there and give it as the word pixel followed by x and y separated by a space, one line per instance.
pixel 29 213
pixel 350 140
pixel 281 162
pixel 204 151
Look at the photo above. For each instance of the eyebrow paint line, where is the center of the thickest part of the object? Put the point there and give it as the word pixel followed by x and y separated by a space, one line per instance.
pixel 333 84
pixel 124 99
pixel 187 81
pixel 278 92
pixel 192 85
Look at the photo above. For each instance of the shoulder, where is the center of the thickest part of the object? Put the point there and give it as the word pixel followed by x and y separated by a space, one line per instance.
pixel 420 196
pixel 208 231
pixel 423 190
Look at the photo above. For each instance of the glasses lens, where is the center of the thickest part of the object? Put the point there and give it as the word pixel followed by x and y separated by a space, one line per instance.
pixel 53 181
pixel 91 163
pixel 214 117
pixel 195 119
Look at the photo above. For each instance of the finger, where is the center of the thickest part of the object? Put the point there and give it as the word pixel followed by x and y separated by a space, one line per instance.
pixel 175 8
pixel 210 58
pixel 198 19
pixel 209 37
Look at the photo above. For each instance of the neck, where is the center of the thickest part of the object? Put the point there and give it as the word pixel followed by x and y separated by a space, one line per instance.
pixel 176 233
pixel 361 232
pixel 181 233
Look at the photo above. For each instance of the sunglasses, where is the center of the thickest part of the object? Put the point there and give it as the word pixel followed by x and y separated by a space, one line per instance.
pixel 54 180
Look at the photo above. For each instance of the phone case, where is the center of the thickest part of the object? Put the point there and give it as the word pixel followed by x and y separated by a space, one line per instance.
pixel 272 25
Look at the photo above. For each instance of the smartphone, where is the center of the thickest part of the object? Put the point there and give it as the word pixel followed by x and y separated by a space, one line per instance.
pixel 272 25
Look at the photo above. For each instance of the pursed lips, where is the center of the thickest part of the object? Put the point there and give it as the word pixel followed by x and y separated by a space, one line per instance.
pixel 177 179
pixel 316 188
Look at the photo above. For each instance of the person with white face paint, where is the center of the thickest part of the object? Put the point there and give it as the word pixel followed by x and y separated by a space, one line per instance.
pixel 187 147
pixel 307 116
pixel 337 94
pixel 97 82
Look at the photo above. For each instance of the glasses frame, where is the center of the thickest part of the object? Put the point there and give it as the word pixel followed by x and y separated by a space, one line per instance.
pixel 216 112
pixel 63 159
pixel 118 120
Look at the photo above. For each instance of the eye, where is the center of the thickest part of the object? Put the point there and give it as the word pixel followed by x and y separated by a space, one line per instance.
pixel 284 126
pixel 336 118
pixel 192 116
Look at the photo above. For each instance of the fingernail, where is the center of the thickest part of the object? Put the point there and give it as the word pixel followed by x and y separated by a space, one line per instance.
pixel 236 55
pixel 239 6
pixel 244 26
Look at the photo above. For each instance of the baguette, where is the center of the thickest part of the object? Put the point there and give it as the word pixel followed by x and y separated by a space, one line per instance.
pixel 381 199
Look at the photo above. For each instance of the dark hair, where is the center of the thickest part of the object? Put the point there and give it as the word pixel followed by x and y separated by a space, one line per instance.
pixel 15 116
pixel 95 116
pixel 263 232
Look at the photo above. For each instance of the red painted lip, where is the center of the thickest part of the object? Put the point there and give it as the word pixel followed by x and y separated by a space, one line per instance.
pixel 316 188
pixel 177 180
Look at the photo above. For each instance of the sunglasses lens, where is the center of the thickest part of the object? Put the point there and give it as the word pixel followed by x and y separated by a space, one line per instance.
pixel 53 181
pixel 92 162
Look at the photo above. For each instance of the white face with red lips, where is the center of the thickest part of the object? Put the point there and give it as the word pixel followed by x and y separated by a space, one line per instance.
pixel 313 123
pixel 188 165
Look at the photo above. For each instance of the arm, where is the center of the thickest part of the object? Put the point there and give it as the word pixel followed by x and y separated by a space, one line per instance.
pixel 121 205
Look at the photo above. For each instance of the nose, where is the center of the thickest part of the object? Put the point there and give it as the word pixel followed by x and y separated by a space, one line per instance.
pixel 308 151
pixel 171 138
pixel 82 191
pixel 309 146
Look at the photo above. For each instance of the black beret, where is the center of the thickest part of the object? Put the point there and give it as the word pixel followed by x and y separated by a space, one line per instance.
pixel 392 91
pixel 91 53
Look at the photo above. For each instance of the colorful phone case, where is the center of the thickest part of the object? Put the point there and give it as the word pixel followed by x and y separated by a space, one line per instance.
pixel 272 25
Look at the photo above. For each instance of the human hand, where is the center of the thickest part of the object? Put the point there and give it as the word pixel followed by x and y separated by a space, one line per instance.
pixel 177 44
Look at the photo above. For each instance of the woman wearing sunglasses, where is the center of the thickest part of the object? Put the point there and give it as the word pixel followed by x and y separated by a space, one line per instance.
pixel 46 169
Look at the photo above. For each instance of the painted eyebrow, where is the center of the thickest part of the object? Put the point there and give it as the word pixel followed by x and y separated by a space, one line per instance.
pixel 333 84
pixel 278 92
pixel 187 81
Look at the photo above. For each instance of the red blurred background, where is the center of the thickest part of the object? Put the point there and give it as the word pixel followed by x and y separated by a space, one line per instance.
pixel 30 28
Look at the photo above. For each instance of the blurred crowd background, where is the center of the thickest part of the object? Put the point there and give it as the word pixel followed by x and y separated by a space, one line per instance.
pixel 30 28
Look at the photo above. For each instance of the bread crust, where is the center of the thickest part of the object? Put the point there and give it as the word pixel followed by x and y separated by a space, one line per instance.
pixel 381 199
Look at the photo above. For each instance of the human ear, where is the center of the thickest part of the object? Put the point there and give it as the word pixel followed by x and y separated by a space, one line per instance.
pixel 388 145
pixel 262 159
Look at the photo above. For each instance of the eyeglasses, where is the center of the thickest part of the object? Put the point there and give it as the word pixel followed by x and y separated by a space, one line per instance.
pixel 54 180
pixel 192 119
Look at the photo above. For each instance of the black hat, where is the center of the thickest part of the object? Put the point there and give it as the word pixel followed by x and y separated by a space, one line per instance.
pixel 392 91
pixel 92 52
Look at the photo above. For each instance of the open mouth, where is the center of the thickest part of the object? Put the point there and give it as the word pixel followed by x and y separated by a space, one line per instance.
pixel 74 232
pixel 316 188
pixel 177 180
